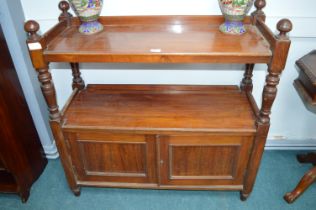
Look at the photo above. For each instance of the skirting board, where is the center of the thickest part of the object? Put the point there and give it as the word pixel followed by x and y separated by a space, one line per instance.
pixel 309 144
pixel 51 151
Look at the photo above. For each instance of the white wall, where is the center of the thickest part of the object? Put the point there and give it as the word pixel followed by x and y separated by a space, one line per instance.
pixel 11 18
pixel 291 122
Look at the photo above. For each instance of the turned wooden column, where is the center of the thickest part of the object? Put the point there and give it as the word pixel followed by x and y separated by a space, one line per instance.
pixel 281 47
pixel 246 83
pixel 77 81
pixel 36 44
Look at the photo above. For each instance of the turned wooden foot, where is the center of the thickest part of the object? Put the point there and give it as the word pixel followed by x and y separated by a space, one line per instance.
pixel 307 158
pixel 305 182
pixel 76 191
pixel 243 196
pixel 25 195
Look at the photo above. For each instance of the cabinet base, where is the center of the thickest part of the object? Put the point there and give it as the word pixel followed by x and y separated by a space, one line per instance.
pixel 25 195
pixel 243 197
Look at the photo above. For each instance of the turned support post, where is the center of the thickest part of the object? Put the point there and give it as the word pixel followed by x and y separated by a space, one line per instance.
pixel 44 76
pixel 36 45
pixel 48 89
pixel 65 15
pixel 268 96
pixel 275 68
pixel 246 83
pixel 77 81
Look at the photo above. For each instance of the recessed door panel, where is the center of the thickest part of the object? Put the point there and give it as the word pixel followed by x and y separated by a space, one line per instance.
pixel 112 157
pixel 203 160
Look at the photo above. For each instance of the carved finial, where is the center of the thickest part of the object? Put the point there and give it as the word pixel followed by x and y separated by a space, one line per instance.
pixel 260 4
pixel 259 14
pixel 32 27
pixel 284 26
pixel 64 7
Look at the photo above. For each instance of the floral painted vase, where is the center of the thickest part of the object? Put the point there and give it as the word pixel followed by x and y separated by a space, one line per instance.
pixel 234 12
pixel 88 11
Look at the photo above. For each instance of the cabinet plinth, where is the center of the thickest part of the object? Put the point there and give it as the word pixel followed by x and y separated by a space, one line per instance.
pixel 161 136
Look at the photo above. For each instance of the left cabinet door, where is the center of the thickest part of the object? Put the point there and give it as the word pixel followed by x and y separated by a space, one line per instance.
pixel 112 159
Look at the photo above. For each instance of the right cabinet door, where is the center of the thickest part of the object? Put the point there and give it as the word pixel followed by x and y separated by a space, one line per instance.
pixel 212 161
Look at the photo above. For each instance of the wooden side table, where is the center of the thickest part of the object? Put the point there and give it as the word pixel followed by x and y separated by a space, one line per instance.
pixel 305 85
pixel 161 136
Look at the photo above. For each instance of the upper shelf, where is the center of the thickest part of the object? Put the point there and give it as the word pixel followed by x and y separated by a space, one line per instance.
pixel 156 39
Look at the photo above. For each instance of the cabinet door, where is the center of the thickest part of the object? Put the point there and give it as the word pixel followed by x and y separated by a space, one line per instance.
pixel 109 157
pixel 212 161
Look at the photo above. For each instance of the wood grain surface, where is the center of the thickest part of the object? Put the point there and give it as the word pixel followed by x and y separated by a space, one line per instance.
pixel 161 108
pixel 159 39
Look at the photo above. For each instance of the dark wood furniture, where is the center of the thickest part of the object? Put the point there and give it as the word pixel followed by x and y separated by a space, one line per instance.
pixel 305 85
pixel 161 136
pixel 21 155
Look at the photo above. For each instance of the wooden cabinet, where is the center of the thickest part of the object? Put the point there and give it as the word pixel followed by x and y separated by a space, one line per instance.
pixel 161 136
pixel 169 161
pixel 22 159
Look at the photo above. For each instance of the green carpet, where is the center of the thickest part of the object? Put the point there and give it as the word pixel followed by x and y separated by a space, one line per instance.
pixel 278 174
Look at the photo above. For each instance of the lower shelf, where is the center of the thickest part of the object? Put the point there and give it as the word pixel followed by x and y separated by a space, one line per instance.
pixel 166 137
pixel 161 108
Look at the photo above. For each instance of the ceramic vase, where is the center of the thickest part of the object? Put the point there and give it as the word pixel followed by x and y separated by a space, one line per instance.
pixel 234 12
pixel 89 12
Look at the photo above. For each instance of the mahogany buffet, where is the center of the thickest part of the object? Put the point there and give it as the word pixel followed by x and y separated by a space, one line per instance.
pixel 161 136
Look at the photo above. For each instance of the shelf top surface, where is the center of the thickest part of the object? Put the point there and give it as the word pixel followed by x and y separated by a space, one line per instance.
pixel 161 108
pixel 159 39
